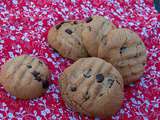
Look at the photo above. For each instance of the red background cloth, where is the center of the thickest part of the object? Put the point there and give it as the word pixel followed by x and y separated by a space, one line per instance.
pixel 23 30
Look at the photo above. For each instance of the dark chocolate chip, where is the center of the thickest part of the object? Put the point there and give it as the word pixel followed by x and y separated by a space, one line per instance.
pixel 89 19
pixel 35 73
pixel 75 22
pixel 87 74
pixel 59 25
pixel 101 94
pixel 118 82
pixel 79 43
pixel 40 62
pixel 122 49
pixel 73 88
pixel 29 66
pixel 144 64
pixel 68 31
pixel 136 56
pixel 99 78
pixel 45 84
pixel 38 78
pixel 55 50
pixel 110 81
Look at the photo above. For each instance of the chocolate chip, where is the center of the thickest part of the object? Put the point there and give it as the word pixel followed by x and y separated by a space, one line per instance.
pixel 40 62
pixel 45 84
pixel 118 82
pixel 136 56
pixel 87 74
pixel 68 31
pixel 73 88
pixel 89 19
pixel 60 24
pixel 79 43
pixel 122 49
pixel 29 66
pixel 35 73
pixel 99 78
pixel 75 22
pixel 144 64
pixel 110 82
pixel 101 94
pixel 55 50
pixel 38 78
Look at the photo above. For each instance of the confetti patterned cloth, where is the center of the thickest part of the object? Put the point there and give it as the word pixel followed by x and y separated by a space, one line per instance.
pixel 24 25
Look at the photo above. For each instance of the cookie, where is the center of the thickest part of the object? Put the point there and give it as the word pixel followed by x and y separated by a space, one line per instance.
pixel 125 50
pixel 93 87
pixel 25 77
pixel 66 38
pixel 95 28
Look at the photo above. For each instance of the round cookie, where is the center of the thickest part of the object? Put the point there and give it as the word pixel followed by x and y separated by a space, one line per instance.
pixel 95 28
pixel 25 77
pixel 66 38
pixel 126 51
pixel 93 87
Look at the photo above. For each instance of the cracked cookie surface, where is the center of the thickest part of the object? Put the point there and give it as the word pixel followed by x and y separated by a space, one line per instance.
pixel 92 86
pixel 126 51
pixel 25 77
pixel 95 28
pixel 66 38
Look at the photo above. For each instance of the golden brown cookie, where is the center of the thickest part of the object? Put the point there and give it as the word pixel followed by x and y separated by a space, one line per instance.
pixel 24 77
pixel 93 87
pixel 95 28
pixel 125 50
pixel 66 38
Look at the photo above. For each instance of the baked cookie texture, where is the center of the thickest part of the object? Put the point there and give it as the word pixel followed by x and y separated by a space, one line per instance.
pixel 25 77
pixel 66 38
pixel 93 87
pixel 125 50
pixel 95 29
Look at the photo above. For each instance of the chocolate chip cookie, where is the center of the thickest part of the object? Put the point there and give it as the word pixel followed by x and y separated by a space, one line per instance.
pixel 24 77
pixel 125 50
pixel 93 87
pixel 95 28
pixel 66 38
